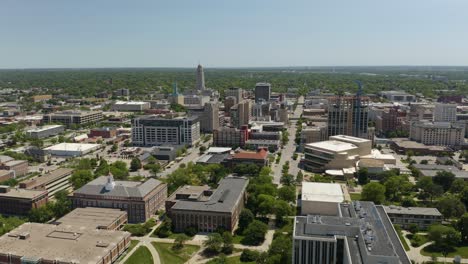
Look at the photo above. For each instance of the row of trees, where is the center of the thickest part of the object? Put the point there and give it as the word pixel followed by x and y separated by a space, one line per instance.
pixel 87 170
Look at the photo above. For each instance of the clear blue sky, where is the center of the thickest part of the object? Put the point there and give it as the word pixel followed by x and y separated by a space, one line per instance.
pixel 234 33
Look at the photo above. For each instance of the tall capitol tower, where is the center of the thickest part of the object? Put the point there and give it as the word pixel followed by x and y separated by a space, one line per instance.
pixel 200 78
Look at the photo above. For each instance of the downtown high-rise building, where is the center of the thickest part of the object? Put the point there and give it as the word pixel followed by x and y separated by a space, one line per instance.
pixel 200 78
pixel 348 115
pixel 262 92
pixel 445 112
pixel 235 92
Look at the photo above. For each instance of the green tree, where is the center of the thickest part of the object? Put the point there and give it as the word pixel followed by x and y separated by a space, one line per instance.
pixel 80 177
pixel 287 193
pixel 363 176
pixel 214 243
pixel 266 204
pixel 280 249
pixel 450 206
pixel 457 186
pixel 254 234
pixel 179 241
pixel 282 210
pixel 396 186
pixel 62 205
pixel 228 245
pixel 463 227
pixel 135 164
pixel 444 179
pixel 444 237
pixel 374 192
pixel 41 214
pixel 429 189
pixel 114 148
pixel 245 218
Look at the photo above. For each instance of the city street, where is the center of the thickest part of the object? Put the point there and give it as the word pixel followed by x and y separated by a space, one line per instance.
pixel 288 150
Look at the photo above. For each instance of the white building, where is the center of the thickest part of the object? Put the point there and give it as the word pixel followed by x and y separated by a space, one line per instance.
pixel 398 96
pixel 131 106
pixel 449 134
pixel 445 113
pixel 321 198
pixel 45 131
pixel 71 149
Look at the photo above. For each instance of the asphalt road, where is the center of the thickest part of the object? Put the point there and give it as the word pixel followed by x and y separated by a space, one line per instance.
pixel 289 149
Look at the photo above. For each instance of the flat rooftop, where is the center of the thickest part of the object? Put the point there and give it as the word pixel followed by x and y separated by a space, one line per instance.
pixel 43 128
pixel 72 147
pixel 322 192
pixel 369 232
pixel 91 217
pixel 332 145
pixel 350 138
pixel 20 193
pixel 393 209
pixel 49 177
pixel 68 244
pixel 223 199
pixel 130 103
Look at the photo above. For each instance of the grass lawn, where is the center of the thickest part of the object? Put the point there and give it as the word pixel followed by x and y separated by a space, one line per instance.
pixel 417 240
pixel 169 256
pixel 133 243
pixel 461 251
pixel 236 239
pixel 355 196
pixel 402 239
pixel 232 260
pixel 141 256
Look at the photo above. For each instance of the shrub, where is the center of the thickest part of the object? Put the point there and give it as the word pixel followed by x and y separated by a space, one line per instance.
pixel 249 255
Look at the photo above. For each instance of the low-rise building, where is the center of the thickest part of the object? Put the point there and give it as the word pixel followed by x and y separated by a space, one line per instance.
pixel 6 175
pixel 423 217
pixel 403 145
pixel 361 233
pixel 53 182
pixel 206 209
pixel 398 96
pixel 45 131
pixel 259 158
pixel 131 106
pixel 98 218
pixel 271 145
pixel 139 200
pixel 71 149
pixel 19 167
pixel 48 243
pixel 69 118
pixel 41 98
pixel 14 201
pixel 321 198
pixel 104 132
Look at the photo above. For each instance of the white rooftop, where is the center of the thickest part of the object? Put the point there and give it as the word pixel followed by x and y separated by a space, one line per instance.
pixel 333 145
pixel 130 103
pixel 72 147
pixel 43 128
pixel 376 154
pixel 322 192
pixel 218 150
pixel 349 138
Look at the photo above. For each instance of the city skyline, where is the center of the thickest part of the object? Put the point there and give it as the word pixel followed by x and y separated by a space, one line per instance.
pixel 54 34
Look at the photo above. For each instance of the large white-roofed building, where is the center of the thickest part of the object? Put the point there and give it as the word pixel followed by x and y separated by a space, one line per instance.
pixel 71 149
pixel 131 106
pixel 341 153
pixel 321 198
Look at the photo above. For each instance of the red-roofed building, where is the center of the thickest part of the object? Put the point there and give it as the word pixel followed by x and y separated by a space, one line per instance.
pixel 259 158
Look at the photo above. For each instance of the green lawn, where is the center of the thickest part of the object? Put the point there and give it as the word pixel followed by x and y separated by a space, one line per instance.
pixel 236 239
pixel 417 240
pixel 141 256
pixel 461 251
pixel 355 196
pixel 169 256
pixel 402 239
pixel 133 243
pixel 232 260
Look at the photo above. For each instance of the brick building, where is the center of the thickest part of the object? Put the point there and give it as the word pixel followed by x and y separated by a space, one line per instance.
pixel 104 132
pixel 19 167
pixel 20 201
pixel 206 209
pixel 139 200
